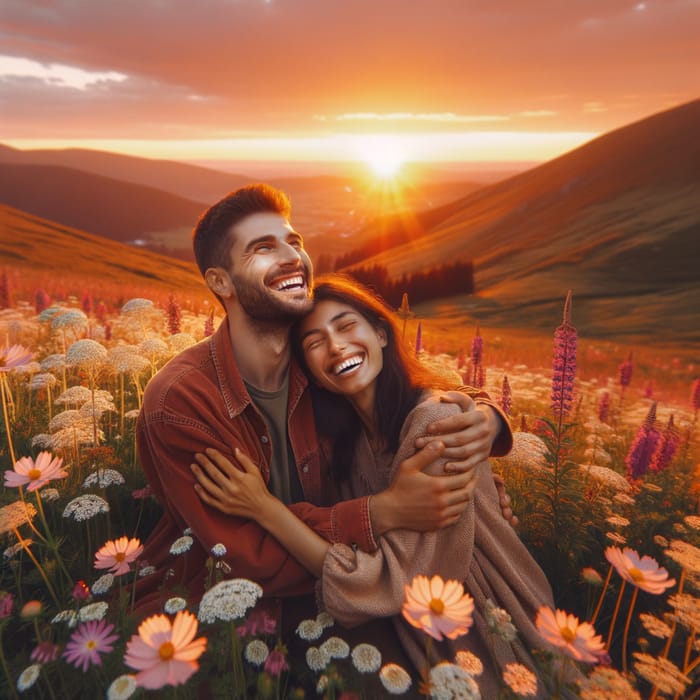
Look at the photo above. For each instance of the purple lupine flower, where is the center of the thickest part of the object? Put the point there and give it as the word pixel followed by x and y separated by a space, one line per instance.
pixel 41 300
pixel 480 379
pixel 643 446
pixel 648 390
pixel 506 396
pixel 174 315
pixel 604 407
pixel 564 364
pixel 108 331
pixel 209 324
pixel 86 303
pixel 624 372
pixel 666 448
pixel 419 337
pixel 477 350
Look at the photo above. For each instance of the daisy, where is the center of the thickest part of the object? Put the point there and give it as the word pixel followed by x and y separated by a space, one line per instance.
pixel 438 607
pixel 87 643
pixel 117 555
pixel 644 572
pixel 28 677
pixel 165 653
pixel 577 639
pixel 35 473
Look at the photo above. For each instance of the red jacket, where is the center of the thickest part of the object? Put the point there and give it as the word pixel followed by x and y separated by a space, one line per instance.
pixel 198 400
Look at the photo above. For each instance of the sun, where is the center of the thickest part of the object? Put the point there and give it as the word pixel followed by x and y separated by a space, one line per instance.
pixel 384 154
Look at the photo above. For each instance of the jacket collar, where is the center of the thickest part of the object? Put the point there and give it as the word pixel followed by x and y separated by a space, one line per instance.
pixel 233 391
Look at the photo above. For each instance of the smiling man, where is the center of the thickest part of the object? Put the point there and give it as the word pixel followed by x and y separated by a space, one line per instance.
pixel 242 389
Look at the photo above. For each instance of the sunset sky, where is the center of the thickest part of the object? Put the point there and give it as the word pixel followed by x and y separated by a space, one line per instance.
pixel 460 80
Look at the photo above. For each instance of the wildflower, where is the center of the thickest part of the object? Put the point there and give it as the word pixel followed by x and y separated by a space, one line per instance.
pixel 102 584
pixel 180 342
pixel 506 397
pixel 607 683
pixel 644 572
pixel 70 617
pixel 617 521
pixel 643 446
pixel 174 315
pixel 174 605
pixel 72 318
pixel 470 663
pixel 450 681
pixel 121 688
pixel 499 622
pixel 86 354
pixel 317 659
pixel 42 381
pixel 117 555
pixel 102 478
pixel 616 537
pixel 228 600
pixel 14 549
pixel 276 663
pixel 43 441
pixel 520 679
pixel 604 407
pixel 94 611
pixel 309 629
pixel 666 447
pixel 477 348
pixel 592 577
pixel 623 499
pixel 564 631
pixel 209 324
pixel 53 363
pixel 44 652
pixel 13 356
pixel 218 550
pixel 80 591
pixel 87 643
pixel 695 396
pixel 7 602
pixel 35 473
pixel 145 492
pixel 528 452
pixel 686 610
pixel 181 545
pixel 654 626
pixel 564 363
pixel 147 571
pixel 256 652
pixel 258 622
pixel 624 372
pixel 325 619
pixel 15 514
pixel 336 648
pixel 165 653
pixel 606 476
pixel 395 679
pixel 137 306
pixel 438 607
pixel 154 348
pixel 366 658
pixel 85 507
pixel 28 677
pixel 660 540
pixel 661 672
pixel 31 609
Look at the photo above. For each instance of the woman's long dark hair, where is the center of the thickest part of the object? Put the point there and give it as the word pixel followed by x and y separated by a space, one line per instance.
pixel 399 384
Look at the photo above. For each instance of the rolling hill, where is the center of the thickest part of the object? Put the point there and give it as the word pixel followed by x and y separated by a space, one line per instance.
pixel 616 220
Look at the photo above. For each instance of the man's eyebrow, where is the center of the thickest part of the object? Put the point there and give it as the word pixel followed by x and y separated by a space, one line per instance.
pixel 335 318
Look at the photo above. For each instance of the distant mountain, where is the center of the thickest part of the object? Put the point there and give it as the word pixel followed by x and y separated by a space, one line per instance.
pixel 616 220
pixel 189 181
pixel 43 252
pixel 104 206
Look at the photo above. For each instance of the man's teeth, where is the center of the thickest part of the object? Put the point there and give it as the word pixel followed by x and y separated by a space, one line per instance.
pixel 348 364
pixel 291 283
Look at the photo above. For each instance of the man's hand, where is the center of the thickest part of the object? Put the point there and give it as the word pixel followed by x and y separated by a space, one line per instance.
pixel 419 501
pixel 504 501
pixel 468 436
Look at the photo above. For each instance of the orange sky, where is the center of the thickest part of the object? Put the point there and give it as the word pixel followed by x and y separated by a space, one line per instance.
pixel 276 79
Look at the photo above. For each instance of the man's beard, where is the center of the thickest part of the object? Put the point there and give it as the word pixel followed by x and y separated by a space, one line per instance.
pixel 263 304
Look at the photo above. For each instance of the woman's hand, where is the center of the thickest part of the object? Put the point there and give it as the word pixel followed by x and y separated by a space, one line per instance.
pixel 227 488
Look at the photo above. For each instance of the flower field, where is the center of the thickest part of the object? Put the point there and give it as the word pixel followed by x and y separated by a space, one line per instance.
pixel 603 478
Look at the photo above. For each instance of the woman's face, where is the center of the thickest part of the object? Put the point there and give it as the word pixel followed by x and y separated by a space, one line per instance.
pixel 343 351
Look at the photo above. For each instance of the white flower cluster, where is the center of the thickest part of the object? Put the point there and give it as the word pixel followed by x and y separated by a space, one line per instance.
pixel 228 600
pixel 366 658
pixel 449 681
pixel 85 507
pixel 103 478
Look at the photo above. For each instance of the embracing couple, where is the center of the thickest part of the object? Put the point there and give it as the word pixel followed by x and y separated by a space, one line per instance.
pixel 306 439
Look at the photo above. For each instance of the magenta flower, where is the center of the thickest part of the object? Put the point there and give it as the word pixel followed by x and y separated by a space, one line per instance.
pixel 275 663
pixel 13 356
pixel 35 473
pixel 477 350
pixel 506 396
pixel 643 446
pixel 86 644
pixel 7 602
pixel 564 364
pixel 624 372
pixel 41 300
pixel 419 336
pixel 604 407
pixel 666 447
pixel 174 314
pixel 44 652
pixel 695 396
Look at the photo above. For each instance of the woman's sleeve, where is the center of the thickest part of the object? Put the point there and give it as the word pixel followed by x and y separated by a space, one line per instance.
pixel 356 586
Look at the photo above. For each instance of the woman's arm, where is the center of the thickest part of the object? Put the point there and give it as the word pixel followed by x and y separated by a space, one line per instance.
pixel 243 492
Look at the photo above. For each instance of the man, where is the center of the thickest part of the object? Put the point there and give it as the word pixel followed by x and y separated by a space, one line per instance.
pixel 242 389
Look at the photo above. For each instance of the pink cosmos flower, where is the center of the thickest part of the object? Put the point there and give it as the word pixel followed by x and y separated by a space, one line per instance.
pixel 275 663
pixel 44 652
pixel 438 607
pixel 35 473
pixel 644 572
pixel 165 654
pixel 90 640
pixel 13 356
pixel 577 639
pixel 117 555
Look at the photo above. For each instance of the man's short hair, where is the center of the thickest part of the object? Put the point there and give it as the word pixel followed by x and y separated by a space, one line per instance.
pixel 211 238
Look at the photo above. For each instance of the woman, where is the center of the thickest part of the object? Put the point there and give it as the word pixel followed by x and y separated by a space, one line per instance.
pixel 372 399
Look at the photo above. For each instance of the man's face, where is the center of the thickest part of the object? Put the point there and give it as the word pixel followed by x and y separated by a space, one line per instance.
pixel 270 270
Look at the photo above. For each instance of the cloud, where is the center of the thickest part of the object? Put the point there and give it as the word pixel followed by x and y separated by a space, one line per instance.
pixel 443 117
pixel 55 73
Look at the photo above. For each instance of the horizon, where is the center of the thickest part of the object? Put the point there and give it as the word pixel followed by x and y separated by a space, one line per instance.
pixel 438 83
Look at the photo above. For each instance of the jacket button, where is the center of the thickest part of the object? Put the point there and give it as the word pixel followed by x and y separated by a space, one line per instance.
pixel 263 439
pixel 305 468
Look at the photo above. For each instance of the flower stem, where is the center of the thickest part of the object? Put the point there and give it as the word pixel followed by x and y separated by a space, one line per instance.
pixel 617 610
pixel 6 670
pixel 5 411
pixel 30 554
pixel 602 595
pixel 627 629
